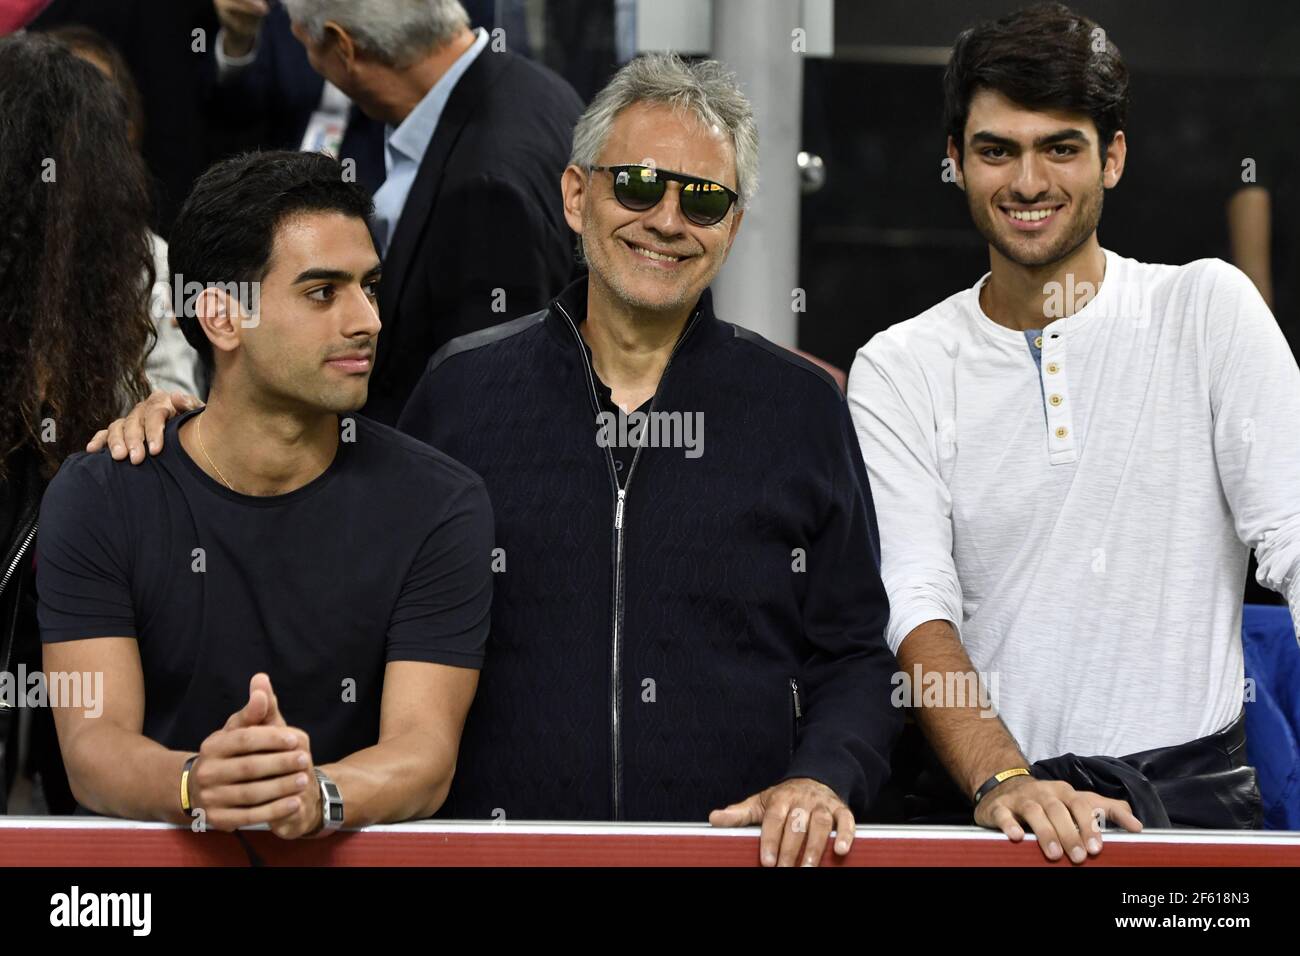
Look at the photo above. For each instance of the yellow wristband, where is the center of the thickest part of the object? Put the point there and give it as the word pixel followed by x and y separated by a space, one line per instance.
pixel 998 778
pixel 185 782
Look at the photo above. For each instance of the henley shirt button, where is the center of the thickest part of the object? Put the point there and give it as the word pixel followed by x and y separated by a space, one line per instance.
pixel 1038 342
pixel 1056 399
pixel 1052 368
pixel 1062 432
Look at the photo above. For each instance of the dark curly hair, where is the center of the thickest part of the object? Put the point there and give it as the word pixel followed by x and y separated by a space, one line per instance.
pixel 76 265
pixel 1042 57
pixel 88 44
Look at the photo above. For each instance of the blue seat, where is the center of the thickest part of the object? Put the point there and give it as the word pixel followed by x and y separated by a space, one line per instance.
pixel 1273 718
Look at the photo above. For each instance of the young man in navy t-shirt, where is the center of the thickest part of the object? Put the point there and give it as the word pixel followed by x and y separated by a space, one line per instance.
pixel 289 603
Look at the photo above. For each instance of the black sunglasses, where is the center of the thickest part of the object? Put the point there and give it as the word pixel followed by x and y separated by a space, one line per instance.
pixel 639 188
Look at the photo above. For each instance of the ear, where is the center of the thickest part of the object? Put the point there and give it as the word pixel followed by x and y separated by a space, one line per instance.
pixel 1116 154
pixel 955 158
pixel 218 315
pixel 338 43
pixel 573 185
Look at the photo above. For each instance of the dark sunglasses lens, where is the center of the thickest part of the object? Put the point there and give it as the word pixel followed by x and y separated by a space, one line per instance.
pixel 705 203
pixel 637 187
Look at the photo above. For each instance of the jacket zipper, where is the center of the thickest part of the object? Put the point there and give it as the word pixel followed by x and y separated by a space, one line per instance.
pixel 797 711
pixel 620 500
pixel 4 583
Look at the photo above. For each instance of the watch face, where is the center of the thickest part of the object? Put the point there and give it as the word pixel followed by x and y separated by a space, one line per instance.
pixel 336 812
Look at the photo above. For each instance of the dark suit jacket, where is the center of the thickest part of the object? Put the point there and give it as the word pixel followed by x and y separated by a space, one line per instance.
pixel 484 214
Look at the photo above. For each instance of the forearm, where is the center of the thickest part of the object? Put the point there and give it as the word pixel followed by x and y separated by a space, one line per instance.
pixel 1249 229
pixel 404 778
pixel 120 773
pixel 972 745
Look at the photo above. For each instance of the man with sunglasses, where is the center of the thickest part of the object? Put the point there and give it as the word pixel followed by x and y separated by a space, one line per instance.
pixel 683 629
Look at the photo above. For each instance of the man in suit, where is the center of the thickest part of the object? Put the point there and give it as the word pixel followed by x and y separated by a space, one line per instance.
pixel 469 218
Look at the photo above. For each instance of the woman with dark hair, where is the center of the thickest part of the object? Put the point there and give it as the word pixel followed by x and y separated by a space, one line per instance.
pixel 76 272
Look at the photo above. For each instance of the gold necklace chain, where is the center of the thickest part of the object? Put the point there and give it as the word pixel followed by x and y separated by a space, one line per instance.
pixel 198 429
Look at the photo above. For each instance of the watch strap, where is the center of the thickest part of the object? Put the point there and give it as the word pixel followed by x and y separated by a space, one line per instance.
pixel 331 803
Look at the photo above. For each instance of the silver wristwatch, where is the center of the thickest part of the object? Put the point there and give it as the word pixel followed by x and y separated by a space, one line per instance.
pixel 331 803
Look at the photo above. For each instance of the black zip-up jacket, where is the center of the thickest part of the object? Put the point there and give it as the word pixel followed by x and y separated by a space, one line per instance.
pixel 714 629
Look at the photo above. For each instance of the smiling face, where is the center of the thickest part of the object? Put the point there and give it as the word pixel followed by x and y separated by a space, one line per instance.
pixel 1034 180
pixel 313 342
pixel 655 260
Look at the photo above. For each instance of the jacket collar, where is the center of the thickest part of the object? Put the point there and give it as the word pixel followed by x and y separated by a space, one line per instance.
pixel 572 302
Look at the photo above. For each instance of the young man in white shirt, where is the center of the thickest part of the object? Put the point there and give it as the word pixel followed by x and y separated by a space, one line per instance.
pixel 1071 461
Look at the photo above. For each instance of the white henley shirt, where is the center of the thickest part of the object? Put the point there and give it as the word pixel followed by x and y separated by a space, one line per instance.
pixel 1085 524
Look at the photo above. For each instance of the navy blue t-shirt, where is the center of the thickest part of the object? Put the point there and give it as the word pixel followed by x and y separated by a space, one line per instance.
pixel 386 556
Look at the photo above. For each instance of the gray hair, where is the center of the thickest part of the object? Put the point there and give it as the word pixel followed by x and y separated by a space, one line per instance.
pixel 704 89
pixel 395 32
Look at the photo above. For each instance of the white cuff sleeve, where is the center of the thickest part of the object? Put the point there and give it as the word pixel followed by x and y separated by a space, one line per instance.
pixel 229 65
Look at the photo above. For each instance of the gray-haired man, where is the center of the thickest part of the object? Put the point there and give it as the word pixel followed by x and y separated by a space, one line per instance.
pixel 680 624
